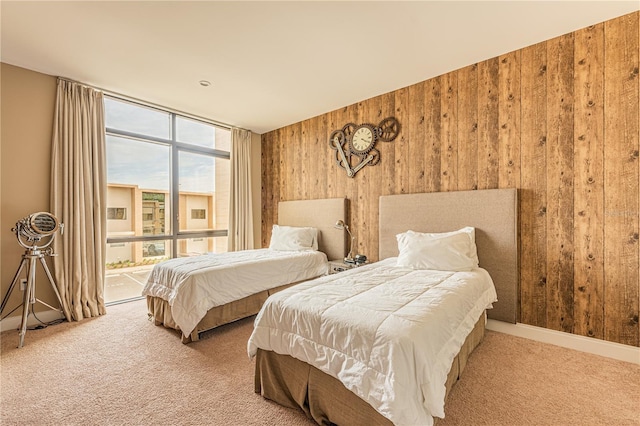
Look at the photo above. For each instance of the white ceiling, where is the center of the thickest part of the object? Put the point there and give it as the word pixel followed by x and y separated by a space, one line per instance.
pixel 275 63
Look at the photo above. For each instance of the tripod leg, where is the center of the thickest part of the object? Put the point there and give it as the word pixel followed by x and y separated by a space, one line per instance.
pixel 53 283
pixel 13 284
pixel 32 279
pixel 28 295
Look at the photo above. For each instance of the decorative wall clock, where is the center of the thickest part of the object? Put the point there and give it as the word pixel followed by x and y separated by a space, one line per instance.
pixel 359 141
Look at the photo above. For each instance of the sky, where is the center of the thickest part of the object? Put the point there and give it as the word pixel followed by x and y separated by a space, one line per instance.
pixel 147 164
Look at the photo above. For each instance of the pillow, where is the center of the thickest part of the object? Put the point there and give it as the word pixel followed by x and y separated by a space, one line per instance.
pixel 287 238
pixel 447 251
pixel 469 230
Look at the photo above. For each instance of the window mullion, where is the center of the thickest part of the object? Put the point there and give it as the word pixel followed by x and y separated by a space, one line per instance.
pixel 175 186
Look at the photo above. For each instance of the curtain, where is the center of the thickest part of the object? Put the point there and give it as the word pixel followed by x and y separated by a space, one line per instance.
pixel 78 199
pixel 240 204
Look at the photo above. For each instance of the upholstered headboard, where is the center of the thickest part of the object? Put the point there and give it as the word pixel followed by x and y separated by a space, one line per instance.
pixel 494 214
pixel 322 214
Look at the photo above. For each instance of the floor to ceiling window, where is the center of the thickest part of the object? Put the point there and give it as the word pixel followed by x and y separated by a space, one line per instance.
pixel 167 192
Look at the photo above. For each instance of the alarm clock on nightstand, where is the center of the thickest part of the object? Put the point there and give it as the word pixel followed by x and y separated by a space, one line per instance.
pixel 360 259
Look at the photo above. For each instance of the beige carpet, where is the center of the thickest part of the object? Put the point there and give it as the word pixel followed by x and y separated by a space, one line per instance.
pixel 120 369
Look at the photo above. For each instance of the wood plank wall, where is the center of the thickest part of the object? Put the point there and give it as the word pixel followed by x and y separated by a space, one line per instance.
pixel 559 120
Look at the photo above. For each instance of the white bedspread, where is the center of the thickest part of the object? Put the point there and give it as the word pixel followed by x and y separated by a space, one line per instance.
pixel 389 334
pixel 193 285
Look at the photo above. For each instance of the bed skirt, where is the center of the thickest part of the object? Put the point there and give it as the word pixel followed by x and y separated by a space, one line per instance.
pixel 323 398
pixel 160 311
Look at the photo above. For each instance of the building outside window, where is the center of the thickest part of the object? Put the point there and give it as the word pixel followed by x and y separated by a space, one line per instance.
pixel 167 191
pixel 153 217
pixel 116 213
pixel 198 213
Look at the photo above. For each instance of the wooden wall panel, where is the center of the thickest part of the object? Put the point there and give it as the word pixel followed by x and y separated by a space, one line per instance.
pixel 559 120
pixel 468 128
pixel 588 151
pixel 281 139
pixel 334 173
pixel 509 136
pixel 432 127
pixel 559 215
pixel 533 222
pixel 402 154
pixel 621 180
pixel 321 164
pixel 304 173
pixel 488 124
pixel 509 119
pixel 271 191
pixel 295 172
pixel 266 189
pixel 449 132
pixel 414 130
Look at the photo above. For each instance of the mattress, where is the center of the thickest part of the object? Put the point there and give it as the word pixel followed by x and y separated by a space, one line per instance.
pixel 388 334
pixel 193 285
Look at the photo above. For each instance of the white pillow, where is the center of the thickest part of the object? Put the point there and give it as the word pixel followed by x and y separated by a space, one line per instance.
pixel 447 251
pixel 469 230
pixel 286 238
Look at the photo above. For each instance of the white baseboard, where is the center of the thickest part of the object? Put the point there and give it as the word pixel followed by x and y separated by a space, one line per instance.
pixel 13 322
pixel 568 340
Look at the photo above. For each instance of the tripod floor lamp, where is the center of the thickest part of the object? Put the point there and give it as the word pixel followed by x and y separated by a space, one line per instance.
pixel 30 232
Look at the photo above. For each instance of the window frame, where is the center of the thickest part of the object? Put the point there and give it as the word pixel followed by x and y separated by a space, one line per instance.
pixel 175 148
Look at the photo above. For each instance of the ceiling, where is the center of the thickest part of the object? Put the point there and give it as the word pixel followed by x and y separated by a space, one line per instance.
pixel 272 64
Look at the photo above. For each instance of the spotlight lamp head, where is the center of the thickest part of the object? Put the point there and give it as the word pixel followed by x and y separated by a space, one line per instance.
pixel 35 227
pixel 39 224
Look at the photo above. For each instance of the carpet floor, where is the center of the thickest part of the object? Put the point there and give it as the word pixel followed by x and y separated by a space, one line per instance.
pixel 120 369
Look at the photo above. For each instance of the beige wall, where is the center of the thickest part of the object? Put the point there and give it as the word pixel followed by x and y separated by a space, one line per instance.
pixel 27 100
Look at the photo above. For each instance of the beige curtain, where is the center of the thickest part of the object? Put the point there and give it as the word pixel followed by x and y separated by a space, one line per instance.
pixel 240 205
pixel 78 199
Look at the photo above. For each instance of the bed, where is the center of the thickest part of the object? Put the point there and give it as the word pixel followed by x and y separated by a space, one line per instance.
pixel 196 294
pixel 285 374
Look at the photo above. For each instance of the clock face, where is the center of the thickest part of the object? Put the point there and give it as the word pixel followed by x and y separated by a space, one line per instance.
pixel 362 139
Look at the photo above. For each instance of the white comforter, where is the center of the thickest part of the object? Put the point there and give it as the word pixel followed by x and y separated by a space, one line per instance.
pixel 193 285
pixel 389 334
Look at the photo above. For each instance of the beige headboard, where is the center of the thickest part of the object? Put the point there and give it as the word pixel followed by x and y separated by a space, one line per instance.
pixel 494 214
pixel 322 214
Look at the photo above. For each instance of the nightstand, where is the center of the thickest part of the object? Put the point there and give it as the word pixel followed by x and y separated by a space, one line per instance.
pixel 336 266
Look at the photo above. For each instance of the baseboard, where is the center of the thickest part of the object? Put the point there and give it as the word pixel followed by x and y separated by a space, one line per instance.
pixel 567 340
pixel 13 322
